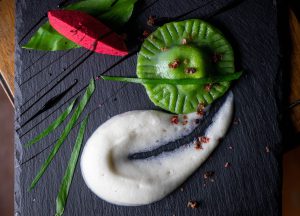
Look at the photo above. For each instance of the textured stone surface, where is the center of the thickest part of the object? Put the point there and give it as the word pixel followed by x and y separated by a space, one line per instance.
pixel 250 186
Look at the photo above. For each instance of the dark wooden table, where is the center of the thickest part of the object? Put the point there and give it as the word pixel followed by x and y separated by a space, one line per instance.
pixel 6 69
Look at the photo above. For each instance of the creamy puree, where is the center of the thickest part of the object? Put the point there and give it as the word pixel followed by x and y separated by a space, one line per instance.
pixel 109 173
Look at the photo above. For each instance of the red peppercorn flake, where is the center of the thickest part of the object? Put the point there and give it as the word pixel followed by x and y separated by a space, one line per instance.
pixel 146 33
pixel 200 109
pixel 236 121
pixel 184 41
pixel 208 174
pixel 151 20
pixel 203 139
pixel 198 144
pixel 174 120
pixel 184 122
pixel 174 64
pixel 192 204
pixel 190 70
pixel 208 87
pixel 216 57
pixel 227 164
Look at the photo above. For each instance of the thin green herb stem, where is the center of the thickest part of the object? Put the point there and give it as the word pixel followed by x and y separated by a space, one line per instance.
pixel 194 81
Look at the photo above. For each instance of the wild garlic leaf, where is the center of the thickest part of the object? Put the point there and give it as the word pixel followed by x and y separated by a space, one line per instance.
pixel 60 119
pixel 86 97
pixel 67 179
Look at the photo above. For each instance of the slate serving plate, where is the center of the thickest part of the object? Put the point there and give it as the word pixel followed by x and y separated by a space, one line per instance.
pixel 250 186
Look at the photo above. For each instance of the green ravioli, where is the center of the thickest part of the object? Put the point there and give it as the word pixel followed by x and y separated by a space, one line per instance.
pixel 184 50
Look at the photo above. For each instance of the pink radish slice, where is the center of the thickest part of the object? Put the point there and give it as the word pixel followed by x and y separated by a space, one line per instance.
pixel 87 32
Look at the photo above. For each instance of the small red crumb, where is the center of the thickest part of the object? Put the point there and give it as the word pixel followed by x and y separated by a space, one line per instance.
pixel 174 64
pixel 184 41
pixel 198 145
pixel 203 139
pixel 217 57
pixel 227 164
pixel 236 121
pixel 208 87
pixel 151 20
pixel 200 109
pixel 208 174
pixel 146 33
pixel 190 70
pixel 192 204
pixel 267 149
pixel 163 49
pixel 174 120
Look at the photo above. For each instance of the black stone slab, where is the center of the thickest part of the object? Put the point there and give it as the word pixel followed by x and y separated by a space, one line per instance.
pixel 250 186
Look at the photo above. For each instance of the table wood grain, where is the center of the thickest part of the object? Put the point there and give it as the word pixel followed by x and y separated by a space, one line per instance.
pixel 7 45
pixel 295 66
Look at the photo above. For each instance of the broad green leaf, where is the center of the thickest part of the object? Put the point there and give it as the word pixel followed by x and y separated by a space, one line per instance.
pixel 46 38
pixel 119 13
pixel 92 7
pixel 193 81
pixel 67 179
pixel 60 119
pixel 66 131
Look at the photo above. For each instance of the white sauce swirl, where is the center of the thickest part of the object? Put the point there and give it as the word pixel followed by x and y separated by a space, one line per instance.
pixel 109 173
